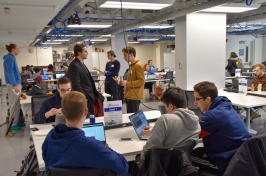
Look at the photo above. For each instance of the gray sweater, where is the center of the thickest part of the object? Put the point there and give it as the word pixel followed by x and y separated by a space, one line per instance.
pixel 173 129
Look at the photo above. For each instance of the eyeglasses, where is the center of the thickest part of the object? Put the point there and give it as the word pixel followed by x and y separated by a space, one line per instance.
pixel 197 99
pixel 64 91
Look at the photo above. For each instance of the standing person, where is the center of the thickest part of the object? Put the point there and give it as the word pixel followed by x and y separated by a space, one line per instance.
pixel 222 130
pixel 150 64
pixel 135 80
pixel 233 63
pixel 13 81
pixel 81 78
pixel 111 69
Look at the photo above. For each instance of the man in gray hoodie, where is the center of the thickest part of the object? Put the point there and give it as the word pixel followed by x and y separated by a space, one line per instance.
pixel 176 127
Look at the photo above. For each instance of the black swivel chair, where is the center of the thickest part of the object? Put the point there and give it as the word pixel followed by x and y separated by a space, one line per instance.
pixel 190 103
pixel 36 103
pixel 55 171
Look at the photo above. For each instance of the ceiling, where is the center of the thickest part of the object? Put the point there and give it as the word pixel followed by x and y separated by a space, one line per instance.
pixel 34 21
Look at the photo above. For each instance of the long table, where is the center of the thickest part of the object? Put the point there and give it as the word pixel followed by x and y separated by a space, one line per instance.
pixel 245 101
pixel 127 148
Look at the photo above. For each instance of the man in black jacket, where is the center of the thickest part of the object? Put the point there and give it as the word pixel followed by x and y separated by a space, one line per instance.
pixel 81 78
pixel 52 106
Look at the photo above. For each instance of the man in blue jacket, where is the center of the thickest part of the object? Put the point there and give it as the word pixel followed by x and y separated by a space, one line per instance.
pixel 13 81
pixel 222 129
pixel 67 146
pixel 52 106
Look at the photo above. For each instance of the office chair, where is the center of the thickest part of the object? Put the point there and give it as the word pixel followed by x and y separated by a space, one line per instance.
pixel 170 75
pixel 190 103
pixel 36 103
pixel 55 171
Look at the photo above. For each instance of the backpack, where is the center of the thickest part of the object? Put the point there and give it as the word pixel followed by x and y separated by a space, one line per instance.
pixel 30 165
pixel 36 90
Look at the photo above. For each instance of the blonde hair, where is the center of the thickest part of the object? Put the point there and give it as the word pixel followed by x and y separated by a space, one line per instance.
pixel 73 106
pixel 260 65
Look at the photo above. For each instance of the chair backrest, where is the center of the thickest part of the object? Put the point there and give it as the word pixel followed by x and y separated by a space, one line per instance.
pixel 24 79
pixel 36 103
pixel 55 171
pixel 169 75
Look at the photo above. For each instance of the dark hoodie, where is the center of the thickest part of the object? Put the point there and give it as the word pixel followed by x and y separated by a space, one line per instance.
pixel 69 147
pixel 226 132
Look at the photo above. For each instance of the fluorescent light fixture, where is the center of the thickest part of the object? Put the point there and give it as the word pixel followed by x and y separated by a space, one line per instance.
pixel 232 8
pixel 136 4
pixel 169 35
pixel 98 40
pixel 109 35
pixel 132 42
pixel 69 35
pixel 157 26
pixel 90 25
pixel 63 40
pixel 52 43
pixel 147 39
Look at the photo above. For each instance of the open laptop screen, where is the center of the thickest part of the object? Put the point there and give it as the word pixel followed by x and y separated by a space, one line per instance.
pixel 139 121
pixel 59 75
pixel 95 130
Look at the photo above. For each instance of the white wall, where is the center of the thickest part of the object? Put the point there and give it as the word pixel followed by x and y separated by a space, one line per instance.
pixel 39 57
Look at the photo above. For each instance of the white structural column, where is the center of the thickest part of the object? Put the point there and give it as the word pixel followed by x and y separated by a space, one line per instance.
pixel 89 61
pixel 118 43
pixel 200 48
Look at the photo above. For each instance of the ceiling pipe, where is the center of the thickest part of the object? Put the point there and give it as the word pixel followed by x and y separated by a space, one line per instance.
pixel 75 5
pixel 178 10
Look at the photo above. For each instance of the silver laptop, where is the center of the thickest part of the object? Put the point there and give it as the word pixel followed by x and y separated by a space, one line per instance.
pixel 139 121
pixel 60 118
pixel 95 130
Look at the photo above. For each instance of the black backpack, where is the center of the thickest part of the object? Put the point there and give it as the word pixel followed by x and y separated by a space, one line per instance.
pixel 30 165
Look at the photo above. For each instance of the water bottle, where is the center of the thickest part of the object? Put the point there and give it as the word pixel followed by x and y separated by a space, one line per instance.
pixel 259 87
pixel 92 118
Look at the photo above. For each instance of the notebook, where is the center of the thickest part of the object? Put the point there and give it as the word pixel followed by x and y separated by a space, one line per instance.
pixel 60 118
pixel 162 109
pixel 139 121
pixel 95 130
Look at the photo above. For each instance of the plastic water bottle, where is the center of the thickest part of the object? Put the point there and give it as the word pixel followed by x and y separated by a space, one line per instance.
pixel 92 118
pixel 259 87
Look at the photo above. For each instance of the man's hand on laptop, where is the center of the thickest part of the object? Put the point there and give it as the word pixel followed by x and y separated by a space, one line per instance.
pixel 147 130
pixel 52 112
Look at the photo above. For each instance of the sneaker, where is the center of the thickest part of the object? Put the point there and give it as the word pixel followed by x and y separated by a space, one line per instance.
pixel 15 128
pixel 21 124
pixel 254 115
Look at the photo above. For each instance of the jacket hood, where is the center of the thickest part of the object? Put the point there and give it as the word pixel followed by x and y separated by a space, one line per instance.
pixel 221 102
pixel 233 58
pixel 188 117
pixel 8 55
pixel 62 136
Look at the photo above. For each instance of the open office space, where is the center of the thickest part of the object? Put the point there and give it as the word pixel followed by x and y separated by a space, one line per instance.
pixel 194 38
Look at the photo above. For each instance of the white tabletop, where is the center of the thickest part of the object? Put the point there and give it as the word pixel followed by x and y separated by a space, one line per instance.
pixel 237 77
pixel 257 93
pixel 156 80
pixel 113 136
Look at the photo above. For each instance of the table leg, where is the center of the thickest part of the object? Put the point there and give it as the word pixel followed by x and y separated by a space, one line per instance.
pixel 248 122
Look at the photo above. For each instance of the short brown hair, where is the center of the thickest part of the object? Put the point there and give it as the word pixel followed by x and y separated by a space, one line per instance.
pixel 63 80
pixel 78 48
pixel 206 89
pixel 260 65
pixel 130 50
pixel 10 47
pixel 73 105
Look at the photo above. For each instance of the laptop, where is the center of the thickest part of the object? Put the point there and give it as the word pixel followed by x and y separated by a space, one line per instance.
pixel 139 121
pixel 95 130
pixel 60 118
pixel 44 77
pixel 162 109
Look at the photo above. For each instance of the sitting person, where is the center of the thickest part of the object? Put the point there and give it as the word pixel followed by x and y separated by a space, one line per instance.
pixel 222 129
pixel 148 71
pixel 52 106
pixel 37 75
pixel 51 69
pixel 177 127
pixel 67 146
pixel 150 64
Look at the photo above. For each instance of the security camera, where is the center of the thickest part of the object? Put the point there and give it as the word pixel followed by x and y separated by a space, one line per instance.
pixel 170 22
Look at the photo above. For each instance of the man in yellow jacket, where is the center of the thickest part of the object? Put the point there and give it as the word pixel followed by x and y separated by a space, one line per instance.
pixel 134 84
